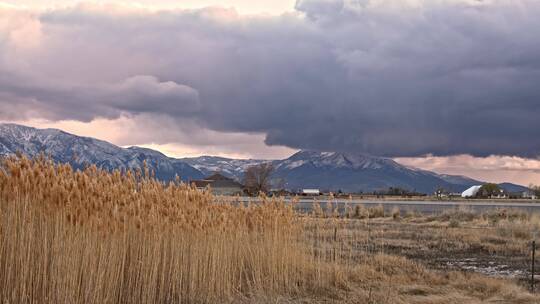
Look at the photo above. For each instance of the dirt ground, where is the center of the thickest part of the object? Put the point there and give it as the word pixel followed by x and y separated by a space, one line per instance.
pixel 441 247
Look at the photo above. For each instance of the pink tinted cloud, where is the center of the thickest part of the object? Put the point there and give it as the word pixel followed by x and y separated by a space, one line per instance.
pixel 492 168
pixel 168 137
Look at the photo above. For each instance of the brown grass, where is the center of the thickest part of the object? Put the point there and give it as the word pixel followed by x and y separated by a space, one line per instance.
pixel 97 237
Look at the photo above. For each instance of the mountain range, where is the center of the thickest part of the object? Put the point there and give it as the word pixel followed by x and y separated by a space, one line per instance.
pixel 80 151
pixel 349 172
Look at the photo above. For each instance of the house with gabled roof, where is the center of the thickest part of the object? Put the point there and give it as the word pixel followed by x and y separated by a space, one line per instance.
pixel 219 185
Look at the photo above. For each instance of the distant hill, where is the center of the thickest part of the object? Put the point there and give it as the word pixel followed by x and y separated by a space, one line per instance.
pixel 349 172
pixel 356 172
pixel 81 151
pixel 513 188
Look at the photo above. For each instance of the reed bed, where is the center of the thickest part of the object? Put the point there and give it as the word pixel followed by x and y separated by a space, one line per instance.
pixel 94 236
pixel 97 237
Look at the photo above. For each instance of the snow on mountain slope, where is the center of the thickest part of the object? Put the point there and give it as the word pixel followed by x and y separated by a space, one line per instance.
pixel 337 160
pixel 234 168
pixel 351 172
pixel 82 151
pixel 355 172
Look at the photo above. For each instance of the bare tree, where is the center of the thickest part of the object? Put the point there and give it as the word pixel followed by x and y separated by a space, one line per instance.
pixel 257 178
pixel 535 189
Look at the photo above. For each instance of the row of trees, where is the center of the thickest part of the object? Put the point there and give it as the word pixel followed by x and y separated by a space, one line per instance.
pixel 489 189
pixel 397 191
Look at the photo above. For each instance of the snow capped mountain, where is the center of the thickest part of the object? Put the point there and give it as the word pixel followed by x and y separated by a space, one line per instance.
pixel 337 160
pixel 350 172
pixel 355 172
pixel 82 151
pixel 234 168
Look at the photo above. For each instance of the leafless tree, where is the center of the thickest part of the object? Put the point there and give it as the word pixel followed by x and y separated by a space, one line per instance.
pixel 257 178
pixel 535 189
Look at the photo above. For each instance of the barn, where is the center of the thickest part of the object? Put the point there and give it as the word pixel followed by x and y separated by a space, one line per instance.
pixel 219 184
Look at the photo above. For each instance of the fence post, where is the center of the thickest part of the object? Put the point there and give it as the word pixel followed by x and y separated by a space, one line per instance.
pixel 335 241
pixel 532 265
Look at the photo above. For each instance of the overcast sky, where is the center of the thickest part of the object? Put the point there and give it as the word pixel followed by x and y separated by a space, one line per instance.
pixel 446 85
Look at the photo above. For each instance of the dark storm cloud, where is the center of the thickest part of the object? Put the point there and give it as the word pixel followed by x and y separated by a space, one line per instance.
pixel 439 77
pixel 135 95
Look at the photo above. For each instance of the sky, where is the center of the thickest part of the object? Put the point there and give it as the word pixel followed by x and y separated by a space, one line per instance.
pixel 445 85
pixel 270 7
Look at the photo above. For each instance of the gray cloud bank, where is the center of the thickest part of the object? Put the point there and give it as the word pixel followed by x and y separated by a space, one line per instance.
pixel 436 77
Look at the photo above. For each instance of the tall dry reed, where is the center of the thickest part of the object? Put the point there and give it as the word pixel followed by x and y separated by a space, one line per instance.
pixel 97 237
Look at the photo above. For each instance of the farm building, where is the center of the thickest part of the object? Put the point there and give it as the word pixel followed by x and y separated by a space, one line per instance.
pixel 219 184
pixel 471 192
pixel 311 192
pixel 529 195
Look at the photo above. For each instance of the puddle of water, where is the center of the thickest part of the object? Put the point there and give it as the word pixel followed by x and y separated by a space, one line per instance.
pixel 491 268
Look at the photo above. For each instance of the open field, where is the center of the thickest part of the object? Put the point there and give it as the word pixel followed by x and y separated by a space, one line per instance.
pixel 423 198
pixel 305 205
pixel 497 243
pixel 432 198
pixel 98 237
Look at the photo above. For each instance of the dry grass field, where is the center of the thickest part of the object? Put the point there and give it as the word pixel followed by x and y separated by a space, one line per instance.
pixel 497 243
pixel 97 237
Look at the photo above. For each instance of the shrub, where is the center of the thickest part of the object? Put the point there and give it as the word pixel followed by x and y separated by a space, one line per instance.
pixel 461 214
pixel 317 210
pixel 360 212
pixel 505 214
pixel 396 214
pixel 515 229
pixel 454 223
pixel 377 211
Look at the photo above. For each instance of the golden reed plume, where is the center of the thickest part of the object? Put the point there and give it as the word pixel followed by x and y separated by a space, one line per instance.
pixel 92 236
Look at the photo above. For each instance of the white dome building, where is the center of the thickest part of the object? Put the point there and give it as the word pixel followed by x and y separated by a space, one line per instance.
pixel 472 191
